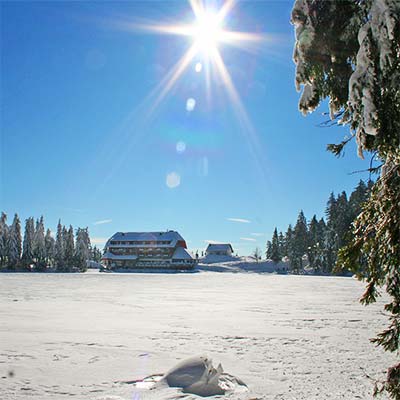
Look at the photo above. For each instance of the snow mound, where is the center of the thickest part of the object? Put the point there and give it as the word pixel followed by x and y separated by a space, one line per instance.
pixel 245 264
pixel 195 375
pixel 215 258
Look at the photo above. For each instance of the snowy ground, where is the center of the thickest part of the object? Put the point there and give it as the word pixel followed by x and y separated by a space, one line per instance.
pixel 287 337
pixel 241 264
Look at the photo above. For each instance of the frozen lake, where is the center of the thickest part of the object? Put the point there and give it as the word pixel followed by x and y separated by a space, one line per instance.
pixel 287 337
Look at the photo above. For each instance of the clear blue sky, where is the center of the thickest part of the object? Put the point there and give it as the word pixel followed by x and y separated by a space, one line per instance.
pixel 77 142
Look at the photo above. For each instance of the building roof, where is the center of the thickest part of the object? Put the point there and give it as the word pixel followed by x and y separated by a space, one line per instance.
pixel 219 247
pixel 169 236
pixel 181 254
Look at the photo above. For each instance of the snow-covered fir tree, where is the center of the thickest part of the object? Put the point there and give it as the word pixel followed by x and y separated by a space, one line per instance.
pixel 349 51
pixel 268 250
pixel 282 245
pixel 69 249
pixel 28 245
pixel 313 239
pixel 59 255
pixel 299 243
pixel 96 254
pixel 320 240
pixel 289 242
pixel 50 246
pixel 330 236
pixel 40 246
pixel 275 248
pixel 14 243
pixel 82 248
pixel 3 239
pixel 343 220
pixel 320 245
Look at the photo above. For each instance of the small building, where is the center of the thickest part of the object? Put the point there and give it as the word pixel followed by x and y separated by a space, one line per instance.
pixel 219 249
pixel 141 250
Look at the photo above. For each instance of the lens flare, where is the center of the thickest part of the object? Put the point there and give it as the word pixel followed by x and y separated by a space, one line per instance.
pixel 207 34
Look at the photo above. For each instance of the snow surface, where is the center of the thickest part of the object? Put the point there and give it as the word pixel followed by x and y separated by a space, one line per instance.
pixel 218 263
pixel 90 336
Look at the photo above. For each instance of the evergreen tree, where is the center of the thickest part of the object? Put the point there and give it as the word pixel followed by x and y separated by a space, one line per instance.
pixel 59 256
pixel 69 249
pixel 3 239
pixel 349 51
pixel 28 245
pixel 275 253
pixel 299 243
pixel 313 242
pixel 40 245
pixel 330 236
pixel 96 254
pixel 289 242
pixel 357 198
pixel 343 221
pixel 320 249
pixel 82 250
pixel 268 251
pixel 50 246
pixel 282 245
pixel 14 243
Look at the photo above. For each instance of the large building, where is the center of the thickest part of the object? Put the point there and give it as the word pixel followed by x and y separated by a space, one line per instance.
pixel 147 250
pixel 219 249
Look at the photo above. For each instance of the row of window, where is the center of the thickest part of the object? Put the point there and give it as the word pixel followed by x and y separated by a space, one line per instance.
pixel 131 263
pixel 138 252
pixel 136 242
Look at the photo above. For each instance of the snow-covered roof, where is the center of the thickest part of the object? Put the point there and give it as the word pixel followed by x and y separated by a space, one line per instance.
pixel 111 256
pixel 219 247
pixel 181 254
pixel 146 236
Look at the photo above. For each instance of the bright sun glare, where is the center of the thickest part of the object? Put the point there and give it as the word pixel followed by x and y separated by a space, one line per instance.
pixel 207 32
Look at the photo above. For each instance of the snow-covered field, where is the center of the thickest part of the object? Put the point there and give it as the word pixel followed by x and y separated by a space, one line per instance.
pixel 241 264
pixel 81 336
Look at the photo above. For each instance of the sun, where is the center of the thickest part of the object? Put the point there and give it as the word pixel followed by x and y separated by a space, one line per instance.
pixel 207 32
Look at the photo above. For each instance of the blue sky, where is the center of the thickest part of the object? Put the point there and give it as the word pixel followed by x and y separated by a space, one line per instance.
pixel 78 141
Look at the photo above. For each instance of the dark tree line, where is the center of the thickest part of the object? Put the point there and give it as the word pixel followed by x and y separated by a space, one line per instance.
pixel 316 243
pixel 38 250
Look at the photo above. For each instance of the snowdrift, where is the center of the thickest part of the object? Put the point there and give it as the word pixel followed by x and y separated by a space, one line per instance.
pixel 241 264
pixel 195 375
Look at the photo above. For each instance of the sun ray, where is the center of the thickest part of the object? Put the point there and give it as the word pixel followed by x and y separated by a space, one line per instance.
pixel 207 76
pixel 225 9
pixel 197 7
pixel 207 33
pixel 233 37
pixel 229 86
pixel 241 113
pixel 173 75
pixel 182 30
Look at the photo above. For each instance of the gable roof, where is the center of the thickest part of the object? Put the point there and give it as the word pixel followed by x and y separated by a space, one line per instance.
pixel 169 236
pixel 219 247
pixel 181 254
